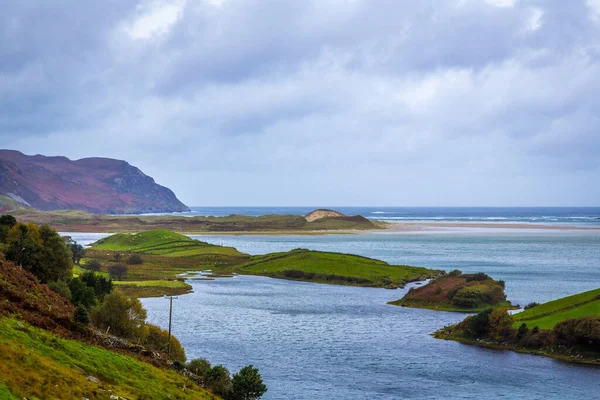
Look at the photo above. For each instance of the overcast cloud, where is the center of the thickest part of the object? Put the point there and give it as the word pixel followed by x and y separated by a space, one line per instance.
pixel 315 102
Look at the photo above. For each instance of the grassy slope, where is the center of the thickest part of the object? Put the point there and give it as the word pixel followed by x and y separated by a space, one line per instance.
pixel 165 254
pixel 7 204
pixel 376 272
pixel 46 366
pixel 432 298
pixel 546 315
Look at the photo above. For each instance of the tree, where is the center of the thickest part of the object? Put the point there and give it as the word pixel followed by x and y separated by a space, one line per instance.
pixel 6 223
pixel 477 325
pixel 39 250
pixel 93 265
pixel 135 259
pixel 81 294
pixel 118 271
pixel 500 324
pixel 125 317
pixel 247 384
pixel 101 285
pixel 218 380
pixel 77 250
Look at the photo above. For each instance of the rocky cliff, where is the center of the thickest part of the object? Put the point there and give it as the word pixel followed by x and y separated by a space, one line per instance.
pixel 97 185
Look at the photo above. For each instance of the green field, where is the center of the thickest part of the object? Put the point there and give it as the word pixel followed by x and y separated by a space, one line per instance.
pixel 153 288
pixel 546 315
pixel 45 366
pixel 325 267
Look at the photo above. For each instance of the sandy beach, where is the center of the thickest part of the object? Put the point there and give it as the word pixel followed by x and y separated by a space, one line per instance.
pixel 427 226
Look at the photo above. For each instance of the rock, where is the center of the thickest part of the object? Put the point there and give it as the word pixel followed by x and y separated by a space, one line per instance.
pixel 93 379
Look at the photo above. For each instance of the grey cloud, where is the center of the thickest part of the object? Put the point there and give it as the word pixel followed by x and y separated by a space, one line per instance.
pixel 416 102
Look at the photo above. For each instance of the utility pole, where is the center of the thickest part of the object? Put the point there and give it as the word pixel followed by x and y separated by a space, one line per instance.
pixel 170 319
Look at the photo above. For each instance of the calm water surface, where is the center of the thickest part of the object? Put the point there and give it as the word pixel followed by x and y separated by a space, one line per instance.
pixel 315 341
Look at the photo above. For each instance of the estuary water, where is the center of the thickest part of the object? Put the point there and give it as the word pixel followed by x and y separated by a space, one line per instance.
pixel 314 341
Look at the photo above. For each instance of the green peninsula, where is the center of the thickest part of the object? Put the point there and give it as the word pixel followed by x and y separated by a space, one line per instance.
pixel 334 268
pixel 164 255
pixel 566 329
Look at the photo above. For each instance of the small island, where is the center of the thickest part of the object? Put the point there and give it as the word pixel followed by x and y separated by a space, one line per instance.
pixel 457 292
pixel 566 329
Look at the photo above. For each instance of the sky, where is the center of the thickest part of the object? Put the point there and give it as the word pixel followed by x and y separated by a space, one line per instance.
pixel 315 102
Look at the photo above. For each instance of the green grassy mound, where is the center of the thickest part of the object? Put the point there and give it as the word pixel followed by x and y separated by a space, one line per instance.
pixel 336 268
pixel 457 292
pixel 45 366
pixel 7 204
pixel 547 315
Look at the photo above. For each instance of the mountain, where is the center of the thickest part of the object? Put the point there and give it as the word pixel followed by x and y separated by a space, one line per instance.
pixel 96 185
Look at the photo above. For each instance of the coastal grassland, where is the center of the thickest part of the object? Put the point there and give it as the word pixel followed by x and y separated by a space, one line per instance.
pixel 165 255
pixel 335 268
pixel 79 221
pixel 152 288
pixel 44 366
pixel 547 315
pixel 457 292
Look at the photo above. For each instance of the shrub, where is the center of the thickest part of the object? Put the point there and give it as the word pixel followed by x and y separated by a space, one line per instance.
pixel 293 273
pixel 62 288
pixel 93 265
pixel 157 339
pixel 81 316
pixel 531 305
pixel 218 380
pixel 134 259
pixel 477 325
pixel 523 331
pixel 247 384
pixel 125 317
pixel 467 297
pixel 480 276
pixel 456 272
pixel 199 367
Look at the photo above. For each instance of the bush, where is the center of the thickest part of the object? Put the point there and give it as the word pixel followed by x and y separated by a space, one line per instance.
pixel 477 325
pixel 134 259
pixel 218 380
pixel 157 339
pixel 480 276
pixel 93 265
pixel 293 273
pixel 125 317
pixel 81 294
pixel 467 297
pixel 523 331
pixel 81 316
pixel 500 324
pixel 247 384
pixel 531 305
pixel 199 367
pixel 62 288
pixel 456 272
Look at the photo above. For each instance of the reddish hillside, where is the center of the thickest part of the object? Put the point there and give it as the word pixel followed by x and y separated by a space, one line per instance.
pixel 97 185
pixel 22 294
